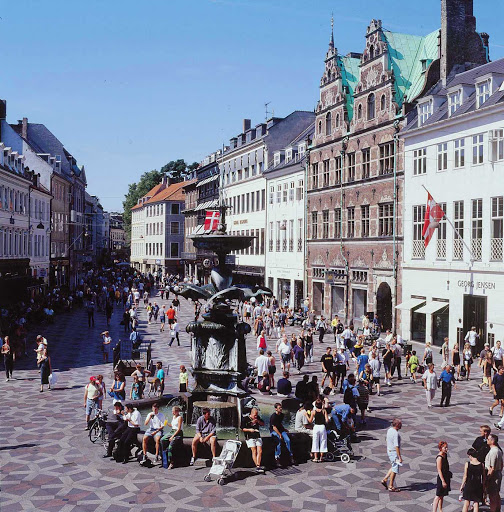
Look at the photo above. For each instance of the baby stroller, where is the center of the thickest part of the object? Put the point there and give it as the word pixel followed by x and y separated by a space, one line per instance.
pixel 222 465
pixel 338 446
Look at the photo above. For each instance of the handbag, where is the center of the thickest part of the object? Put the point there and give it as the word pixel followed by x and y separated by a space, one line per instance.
pixel 53 379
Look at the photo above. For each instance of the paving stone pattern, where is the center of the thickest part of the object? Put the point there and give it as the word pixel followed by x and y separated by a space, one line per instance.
pixel 49 464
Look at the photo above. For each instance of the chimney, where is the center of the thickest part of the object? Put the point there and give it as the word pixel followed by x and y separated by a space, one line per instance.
pixel 246 125
pixel 24 128
pixel 461 45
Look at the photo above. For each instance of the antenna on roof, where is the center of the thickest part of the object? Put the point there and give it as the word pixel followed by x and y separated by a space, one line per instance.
pixel 267 112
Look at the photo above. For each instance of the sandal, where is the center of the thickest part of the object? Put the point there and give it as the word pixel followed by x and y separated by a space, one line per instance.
pixel 384 483
pixel 394 489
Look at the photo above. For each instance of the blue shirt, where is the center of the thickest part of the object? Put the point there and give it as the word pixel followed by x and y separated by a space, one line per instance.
pixel 342 410
pixel 446 376
pixel 160 374
pixel 363 360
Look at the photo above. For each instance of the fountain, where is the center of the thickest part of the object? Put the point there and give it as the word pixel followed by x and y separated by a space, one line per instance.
pixel 218 349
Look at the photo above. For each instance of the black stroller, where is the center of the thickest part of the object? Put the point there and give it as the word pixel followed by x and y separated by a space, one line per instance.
pixel 339 447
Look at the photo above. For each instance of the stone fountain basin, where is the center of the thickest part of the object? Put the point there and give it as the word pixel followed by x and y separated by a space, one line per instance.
pixel 222 243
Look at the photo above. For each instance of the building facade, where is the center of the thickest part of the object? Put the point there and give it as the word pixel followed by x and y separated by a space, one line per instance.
pixel 454 147
pixel 190 224
pixel 242 169
pixel 286 217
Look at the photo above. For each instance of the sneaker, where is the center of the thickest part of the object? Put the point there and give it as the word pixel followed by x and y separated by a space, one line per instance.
pixel 193 460
pixel 490 410
pixel 87 428
pixel 6 380
pixel 497 426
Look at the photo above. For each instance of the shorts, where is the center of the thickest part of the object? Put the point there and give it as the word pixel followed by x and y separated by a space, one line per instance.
pixel 286 358
pixel 90 406
pixel 499 396
pixel 247 315
pixel 254 442
pixel 150 432
pixel 376 380
pixel 393 461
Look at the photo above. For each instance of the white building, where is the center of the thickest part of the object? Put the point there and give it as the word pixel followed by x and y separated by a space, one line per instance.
pixel 286 220
pixel 454 146
pixel 241 167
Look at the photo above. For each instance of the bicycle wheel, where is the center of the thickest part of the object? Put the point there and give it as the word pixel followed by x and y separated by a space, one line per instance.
pixel 94 432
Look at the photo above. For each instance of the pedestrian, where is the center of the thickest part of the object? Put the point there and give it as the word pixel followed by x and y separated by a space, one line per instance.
pixel 45 370
pixel 162 318
pixel 321 328
pixel 468 359
pixel 387 357
pixel 486 367
pixel 481 443
pixel 447 379
pixel 106 346
pixel 9 357
pixel 100 384
pixel 299 354
pixel 443 476
pixel 493 467
pixel 109 308
pixel 271 368
pixel 126 320
pixel 445 352
pixel 472 338
pixel 118 388
pixel 327 363
pixel 92 392
pixel 90 313
pixel 250 427
pixel 285 353
pixel 319 419
pixel 472 482
pixel 456 359
pixel 413 365
pixel 261 341
pixel 429 379
pixel 498 390
pixel 498 353
pixel 174 333
pixel 394 455
pixel 427 357
pixel 308 343
pixel 183 379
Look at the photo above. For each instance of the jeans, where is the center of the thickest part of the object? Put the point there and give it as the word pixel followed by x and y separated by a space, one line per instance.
pixel 278 447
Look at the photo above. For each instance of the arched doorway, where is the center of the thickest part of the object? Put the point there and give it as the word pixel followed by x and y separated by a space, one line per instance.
pixel 384 305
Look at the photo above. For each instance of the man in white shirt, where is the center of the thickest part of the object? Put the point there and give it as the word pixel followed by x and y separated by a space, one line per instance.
pixel 133 419
pixel 174 333
pixel 493 466
pixel 261 363
pixel 347 336
pixel 430 383
pixel 394 454
pixel 156 421
pixel 92 393
pixel 472 337
pixel 285 353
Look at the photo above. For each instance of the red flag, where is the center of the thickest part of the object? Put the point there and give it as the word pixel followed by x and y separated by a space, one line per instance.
pixel 433 216
pixel 211 220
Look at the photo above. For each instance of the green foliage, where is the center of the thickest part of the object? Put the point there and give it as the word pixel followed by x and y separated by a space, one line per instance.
pixel 178 170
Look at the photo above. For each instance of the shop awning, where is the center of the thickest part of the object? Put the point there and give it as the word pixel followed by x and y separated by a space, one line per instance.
pixel 208 180
pixel 410 303
pixel 432 307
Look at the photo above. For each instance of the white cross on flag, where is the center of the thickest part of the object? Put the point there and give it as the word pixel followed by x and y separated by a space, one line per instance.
pixel 211 220
pixel 433 216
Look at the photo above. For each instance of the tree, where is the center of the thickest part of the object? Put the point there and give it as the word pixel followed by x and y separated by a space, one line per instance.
pixel 178 170
pixel 147 181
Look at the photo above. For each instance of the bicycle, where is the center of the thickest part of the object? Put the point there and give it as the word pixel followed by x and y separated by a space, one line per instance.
pixel 98 429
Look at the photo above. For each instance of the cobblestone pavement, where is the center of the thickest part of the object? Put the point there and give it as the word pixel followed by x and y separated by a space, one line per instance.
pixel 48 463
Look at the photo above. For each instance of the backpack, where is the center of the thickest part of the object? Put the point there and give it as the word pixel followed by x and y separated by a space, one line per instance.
pixel 339 329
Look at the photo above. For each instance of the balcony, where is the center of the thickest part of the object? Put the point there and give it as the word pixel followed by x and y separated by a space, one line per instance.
pixel 418 250
pixel 496 249
pixel 476 246
pixel 278 246
pixel 359 276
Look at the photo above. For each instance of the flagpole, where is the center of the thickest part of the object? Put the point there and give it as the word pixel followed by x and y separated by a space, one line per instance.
pixel 454 229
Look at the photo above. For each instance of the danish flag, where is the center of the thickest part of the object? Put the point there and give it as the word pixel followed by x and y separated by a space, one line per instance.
pixel 433 216
pixel 211 220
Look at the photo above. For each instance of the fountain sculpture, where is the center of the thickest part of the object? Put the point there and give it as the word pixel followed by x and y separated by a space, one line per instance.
pixel 218 343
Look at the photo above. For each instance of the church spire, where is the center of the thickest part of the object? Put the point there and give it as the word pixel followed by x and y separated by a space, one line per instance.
pixel 331 42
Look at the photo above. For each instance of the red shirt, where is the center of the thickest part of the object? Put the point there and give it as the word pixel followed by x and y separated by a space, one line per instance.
pixel 170 314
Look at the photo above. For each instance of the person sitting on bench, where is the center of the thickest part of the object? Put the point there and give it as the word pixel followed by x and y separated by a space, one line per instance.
pixel 205 433
pixel 115 427
pixel 156 421
pixel 133 420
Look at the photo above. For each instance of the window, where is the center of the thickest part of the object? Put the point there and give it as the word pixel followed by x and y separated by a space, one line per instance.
pixel 359 112
pixel 263 200
pixel 325 224
pixel 477 228
pixel 351 166
pixel 496 244
pixel 365 221
pixel 277 236
pixel 291 235
pixel 337 173
pixel 272 195
pixel 279 193
pixel 441 236
pixel 424 112
pixel 285 192
pixel 454 101
pixel 419 161
pixel 328 121
pixel 314 175
pixel 174 250
pixel 175 209
pixel 418 242
pixel 300 190
pixel 261 241
pixel 385 219
pixel 291 191
pixel 386 158
pixel 337 223
pixel 371 106
pixel 482 92
pixel 442 156
pixel 366 163
pixel 314 223
pixel 477 149
pixel 351 222
pixel 497 145
pixel 300 235
pixel 248 203
pixel 325 175
pixel 383 102
pixel 337 121
pixel 459 153
pixel 174 228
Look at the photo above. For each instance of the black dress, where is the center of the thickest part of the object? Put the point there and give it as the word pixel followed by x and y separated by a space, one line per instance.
pixel 445 470
pixel 456 359
pixel 473 488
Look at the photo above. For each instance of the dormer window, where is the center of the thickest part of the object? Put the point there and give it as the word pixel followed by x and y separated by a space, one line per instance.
pixel 301 150
pixel 482 92
pixel 288 155
pixel 276 159
pixel 424 112
pixel 454 102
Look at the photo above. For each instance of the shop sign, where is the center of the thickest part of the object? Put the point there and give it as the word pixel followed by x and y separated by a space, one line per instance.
pixel 243 221
pixel 477 285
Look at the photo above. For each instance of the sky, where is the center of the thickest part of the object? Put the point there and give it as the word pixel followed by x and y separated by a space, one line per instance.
pixel 128 85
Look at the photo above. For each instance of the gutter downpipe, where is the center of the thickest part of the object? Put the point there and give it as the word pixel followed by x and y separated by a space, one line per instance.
pixel 347 268
pixel 305 223
pixel 394 224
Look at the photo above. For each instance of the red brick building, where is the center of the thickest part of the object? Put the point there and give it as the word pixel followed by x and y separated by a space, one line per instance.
pixel 355 173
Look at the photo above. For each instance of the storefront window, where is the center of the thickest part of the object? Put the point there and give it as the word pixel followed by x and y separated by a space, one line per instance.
pixel 440 324
pixel 338 300
pixel 418 324
pixel 359 303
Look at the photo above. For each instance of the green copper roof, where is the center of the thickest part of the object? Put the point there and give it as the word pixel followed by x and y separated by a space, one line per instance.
pixel 350 74
pixel 406 53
